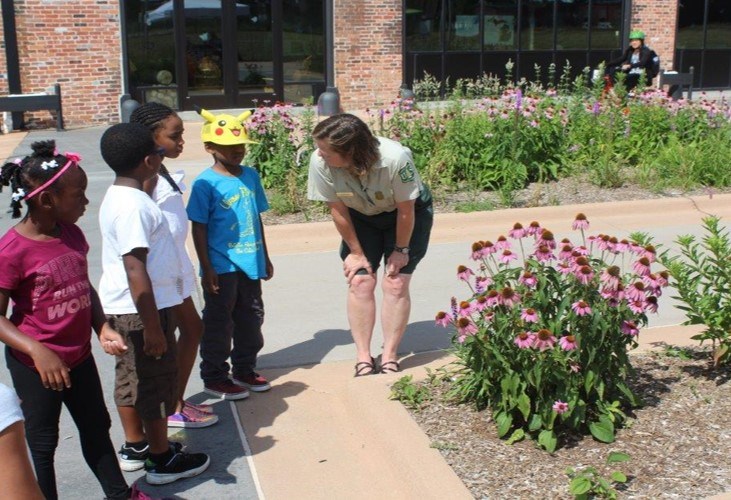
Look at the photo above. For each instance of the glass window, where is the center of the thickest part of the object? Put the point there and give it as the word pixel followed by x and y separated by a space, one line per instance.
pixel 304 49
pixel 423 18
pixel 572 25
pixel 537 25
pixel 151 50
pixel 500 25
pixel 690 24
pixel 606 24
pixel 463 25
pixel 719 25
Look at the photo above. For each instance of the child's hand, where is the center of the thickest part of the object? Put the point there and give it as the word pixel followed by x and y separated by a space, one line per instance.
pixel 54 372
pixel 111 341
pixel 155 344
pixel 210 281
pixel 270 270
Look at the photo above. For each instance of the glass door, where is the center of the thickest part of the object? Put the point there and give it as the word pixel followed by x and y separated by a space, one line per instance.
pixel 255 43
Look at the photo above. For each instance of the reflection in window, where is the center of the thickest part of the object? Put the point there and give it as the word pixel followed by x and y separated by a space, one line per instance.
pixel 304 49
pixel 719 25
pixel 690 25
pixel 572 25
pixel 463 25
pixel 500 25
pixel 151 51
pixel 423 25
pixel 537 26
pixel 606 22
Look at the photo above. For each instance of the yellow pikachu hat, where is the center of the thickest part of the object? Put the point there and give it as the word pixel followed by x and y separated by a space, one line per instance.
pixel 223 129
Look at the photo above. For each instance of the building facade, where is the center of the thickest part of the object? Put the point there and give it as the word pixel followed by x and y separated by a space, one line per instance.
pixel 240 53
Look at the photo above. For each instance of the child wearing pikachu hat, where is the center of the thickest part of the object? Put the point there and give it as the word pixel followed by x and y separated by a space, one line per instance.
pixel 225 204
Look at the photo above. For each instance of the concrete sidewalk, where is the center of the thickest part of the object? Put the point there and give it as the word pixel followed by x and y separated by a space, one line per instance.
pixel 320 433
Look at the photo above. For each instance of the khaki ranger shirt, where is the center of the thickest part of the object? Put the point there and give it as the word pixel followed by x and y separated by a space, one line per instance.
pixel 392 180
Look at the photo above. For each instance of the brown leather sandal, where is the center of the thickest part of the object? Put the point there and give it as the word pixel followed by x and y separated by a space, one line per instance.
pixel 390 367
pixel 365 368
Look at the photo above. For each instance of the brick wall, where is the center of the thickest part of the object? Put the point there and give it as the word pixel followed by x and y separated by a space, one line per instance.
pixel 368 52
pixel 657 18
pixel 75 43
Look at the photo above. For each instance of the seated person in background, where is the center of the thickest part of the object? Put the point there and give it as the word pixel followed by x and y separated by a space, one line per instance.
pixel 636 58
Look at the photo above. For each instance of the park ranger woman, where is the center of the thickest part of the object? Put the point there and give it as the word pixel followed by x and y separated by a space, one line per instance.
pixel 382 211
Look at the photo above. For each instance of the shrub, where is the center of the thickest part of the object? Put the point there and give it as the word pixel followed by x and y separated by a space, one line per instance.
pixel 544 343
pixel 702 277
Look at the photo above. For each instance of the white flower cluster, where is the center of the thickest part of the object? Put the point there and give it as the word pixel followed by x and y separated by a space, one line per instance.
pixel 19 194
pixel 49 164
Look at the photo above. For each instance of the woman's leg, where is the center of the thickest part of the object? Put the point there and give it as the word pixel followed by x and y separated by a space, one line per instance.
pixel 191 330
pixel 86 405
pixel 362 313
pixel 41 410
pixel 395 312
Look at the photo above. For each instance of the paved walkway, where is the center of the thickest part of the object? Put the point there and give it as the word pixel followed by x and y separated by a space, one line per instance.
pixel 319 433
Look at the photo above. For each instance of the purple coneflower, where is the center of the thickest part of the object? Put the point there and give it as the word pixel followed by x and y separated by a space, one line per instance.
pixel 544 340
pixel 543 254
pixel 534 228
pixel 584 274
pixel 565 252
pixel 488 248
pixel 476 250
pixel 650 252
pixel 636 291
pixel 642 266
pixel 580 222
pixel 517 232
pixel 560 407
pixel 630 328
pixel 507 256
pixel 465 327
pixel 581 308
pixel 528 279
pixel 481 283
pixel 651 304
pixel 464 273
pixel 444 319
pixel 502 243
pixel 492 298
pixel 564 268
pixel 508 297
pixel 547 239
pixel 465 308
pixel 567 343
pixel 529 315
pixel 524 340
pixel 480 303
pixel 610 277
pixel 637 306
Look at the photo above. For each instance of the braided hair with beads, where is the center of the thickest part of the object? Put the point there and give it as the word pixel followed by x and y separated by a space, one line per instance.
pixel 152 115
pixel 25 175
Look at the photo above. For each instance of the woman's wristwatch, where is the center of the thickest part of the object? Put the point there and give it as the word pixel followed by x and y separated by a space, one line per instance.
pixel 403 250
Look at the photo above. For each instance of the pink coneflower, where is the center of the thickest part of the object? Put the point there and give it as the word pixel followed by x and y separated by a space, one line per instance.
pixel 650 253
pixel 529 315
pixel 464 273
pixel 580 222
pixel 642 266
pixel 564 267
pixel 465 327
pixel 623 245
pixel 610 277
pixel 581 308
pixel 584 274
pixel 565 252
pixel 488 248
pixel 580 250
pixel 630 328
pixel 613 242
pixel 636 291
pixel 488 315
pixel 544 340
pixel 507 256
pixel 492 297
pixel 580 261
pixel 602 242
pixel 662 278
pixel 508 297
pixel 567 343
pixel 465 308
pixel 534 228
pixel 528 279
pixel 574 367
pixel 652 283
pixel 651 304
pixel 544 254
pixel 502 243
pixel 476 250
pixel 517 232
pixel 560 407
pixel 444 319
pixel 480 303
pixel 546 239
pixel 524 340
pixel 637 306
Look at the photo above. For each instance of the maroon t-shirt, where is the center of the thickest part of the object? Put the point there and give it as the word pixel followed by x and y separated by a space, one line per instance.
pixel 48 282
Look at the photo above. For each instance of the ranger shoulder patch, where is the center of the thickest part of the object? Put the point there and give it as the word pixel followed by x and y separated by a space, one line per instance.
pixel 407 173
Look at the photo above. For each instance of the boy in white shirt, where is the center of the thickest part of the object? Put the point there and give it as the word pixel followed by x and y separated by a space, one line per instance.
pixel 141 283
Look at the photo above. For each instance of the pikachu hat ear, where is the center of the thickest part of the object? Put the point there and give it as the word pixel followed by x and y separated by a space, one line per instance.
pixel 225 129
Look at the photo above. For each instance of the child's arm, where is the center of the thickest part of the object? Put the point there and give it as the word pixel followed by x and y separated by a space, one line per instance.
pixel 200 241
pixel 140 286
pixel 270 266
pixel 53 371
pixel 111 341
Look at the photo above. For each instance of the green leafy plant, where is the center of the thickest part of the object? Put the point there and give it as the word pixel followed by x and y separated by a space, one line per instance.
pixel 410 394
pixel 701 275
pixel 542 339
pixel 589 483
